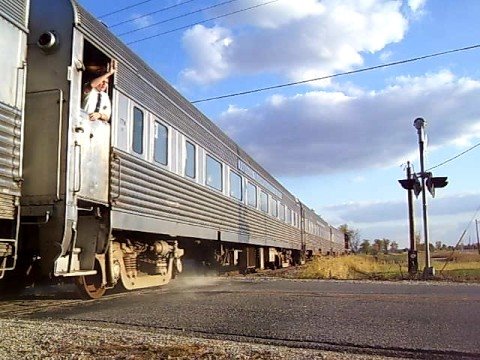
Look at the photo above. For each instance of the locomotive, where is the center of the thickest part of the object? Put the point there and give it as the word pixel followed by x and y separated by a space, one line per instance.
pixel 125 202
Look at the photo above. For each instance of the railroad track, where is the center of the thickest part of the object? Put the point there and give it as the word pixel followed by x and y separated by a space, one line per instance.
pixel 18 308
pixel 46 299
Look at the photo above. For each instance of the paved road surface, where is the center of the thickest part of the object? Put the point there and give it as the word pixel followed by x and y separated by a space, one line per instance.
pixel 398 318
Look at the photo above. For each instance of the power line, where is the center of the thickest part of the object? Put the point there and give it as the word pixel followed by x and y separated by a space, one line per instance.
pixel 405 61
pixel 174 18
pixel 455 157
pixel 201 22
pixel 150 13
pixel 460 239
pixel 125 8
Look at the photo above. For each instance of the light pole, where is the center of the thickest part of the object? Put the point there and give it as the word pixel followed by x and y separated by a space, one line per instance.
pixel 419 124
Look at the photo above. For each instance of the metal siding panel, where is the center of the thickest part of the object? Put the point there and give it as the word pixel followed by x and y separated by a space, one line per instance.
pixel 7 206
pixel 15 11
pixel 150 191
pixel 10 142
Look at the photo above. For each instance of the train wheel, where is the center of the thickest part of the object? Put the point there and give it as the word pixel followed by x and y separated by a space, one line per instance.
pixel 90 286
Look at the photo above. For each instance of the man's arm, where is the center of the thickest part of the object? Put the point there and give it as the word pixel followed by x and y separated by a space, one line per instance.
pixel 97 81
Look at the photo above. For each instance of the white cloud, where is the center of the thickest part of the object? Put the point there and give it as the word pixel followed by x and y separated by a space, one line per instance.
pixel 449 216
pixel 208 48
pixel 385 56
pixel 416 5
pixel 141 21
pixel 272 15
pixel 298 39
pixel 323 132
pixel 388 211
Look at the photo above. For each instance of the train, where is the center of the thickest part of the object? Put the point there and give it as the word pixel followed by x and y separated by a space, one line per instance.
pixel 125 203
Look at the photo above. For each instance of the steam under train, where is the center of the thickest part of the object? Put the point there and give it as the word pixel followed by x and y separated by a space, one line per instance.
pixel 124 202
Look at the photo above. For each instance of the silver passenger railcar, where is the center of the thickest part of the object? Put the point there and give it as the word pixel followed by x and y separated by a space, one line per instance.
pixel 124 202
pixel 13 50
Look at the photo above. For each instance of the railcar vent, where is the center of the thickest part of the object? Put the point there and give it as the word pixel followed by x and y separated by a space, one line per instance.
pixel 9 150
pixel 16 11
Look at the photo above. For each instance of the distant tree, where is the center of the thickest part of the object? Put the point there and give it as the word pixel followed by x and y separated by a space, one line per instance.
pixel 385 245
pixel 353 236
pixel 394 247
pixel 438 245
pixel 365 247
pixel 421 247
pixel 377 246
pixel 417 241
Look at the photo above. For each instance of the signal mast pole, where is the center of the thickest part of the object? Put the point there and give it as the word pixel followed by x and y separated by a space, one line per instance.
pixel 419 124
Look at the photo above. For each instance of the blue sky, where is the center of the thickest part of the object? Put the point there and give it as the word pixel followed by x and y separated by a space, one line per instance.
pixel 338 144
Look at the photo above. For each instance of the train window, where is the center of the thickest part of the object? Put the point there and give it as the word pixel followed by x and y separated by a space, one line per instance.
pixel 273 207
pixel 281 212
pixel 236 188
pixel 214 173
pixel 288 216
pixel 263 201
pixel 137 139
pixel 190 159
pixel 160 143
pixel 96 63
pixel 251 195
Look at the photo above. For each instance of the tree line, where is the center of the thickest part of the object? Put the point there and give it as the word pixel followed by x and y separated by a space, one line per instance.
pixel 387 246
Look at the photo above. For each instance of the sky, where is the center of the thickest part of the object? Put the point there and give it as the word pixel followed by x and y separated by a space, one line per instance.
pixel 338 144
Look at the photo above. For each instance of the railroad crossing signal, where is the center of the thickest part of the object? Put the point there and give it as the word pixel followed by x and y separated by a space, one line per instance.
pixel 431 183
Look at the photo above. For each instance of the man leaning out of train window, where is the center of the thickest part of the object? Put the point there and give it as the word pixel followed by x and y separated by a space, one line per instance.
pixel 95 97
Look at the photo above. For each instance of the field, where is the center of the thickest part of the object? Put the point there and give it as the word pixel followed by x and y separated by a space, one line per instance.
pixel 457 266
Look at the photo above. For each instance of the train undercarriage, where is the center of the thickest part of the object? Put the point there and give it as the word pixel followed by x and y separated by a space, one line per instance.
pixel 99 260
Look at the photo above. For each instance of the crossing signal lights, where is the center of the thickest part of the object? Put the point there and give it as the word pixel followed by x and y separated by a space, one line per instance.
pixel 412 184
pixel 435 182
pixel 431 184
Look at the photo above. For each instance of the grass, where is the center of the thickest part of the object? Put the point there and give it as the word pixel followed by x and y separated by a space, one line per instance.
pixel 461 266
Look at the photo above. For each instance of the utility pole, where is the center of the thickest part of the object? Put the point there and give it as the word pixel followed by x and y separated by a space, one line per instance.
pixel 411 184
pixel 478 241
pixel 412 254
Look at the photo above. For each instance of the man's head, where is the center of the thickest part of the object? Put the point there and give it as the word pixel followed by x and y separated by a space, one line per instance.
pixel 103 86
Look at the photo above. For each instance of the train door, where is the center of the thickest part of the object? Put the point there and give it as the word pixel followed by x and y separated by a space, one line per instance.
pixel 92 138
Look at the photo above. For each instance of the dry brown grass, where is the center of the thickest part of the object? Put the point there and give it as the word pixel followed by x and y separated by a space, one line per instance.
pixel 353 267
pixel 457 267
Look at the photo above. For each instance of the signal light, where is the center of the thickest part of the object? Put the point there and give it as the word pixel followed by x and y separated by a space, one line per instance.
pixel 431 183
pixel 435 182
pixel 407 184
pixel 412 184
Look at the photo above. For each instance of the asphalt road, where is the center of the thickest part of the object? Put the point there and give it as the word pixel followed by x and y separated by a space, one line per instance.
pixel 419 319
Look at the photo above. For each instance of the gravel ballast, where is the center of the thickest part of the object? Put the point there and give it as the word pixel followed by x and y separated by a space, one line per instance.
pixel 27 339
